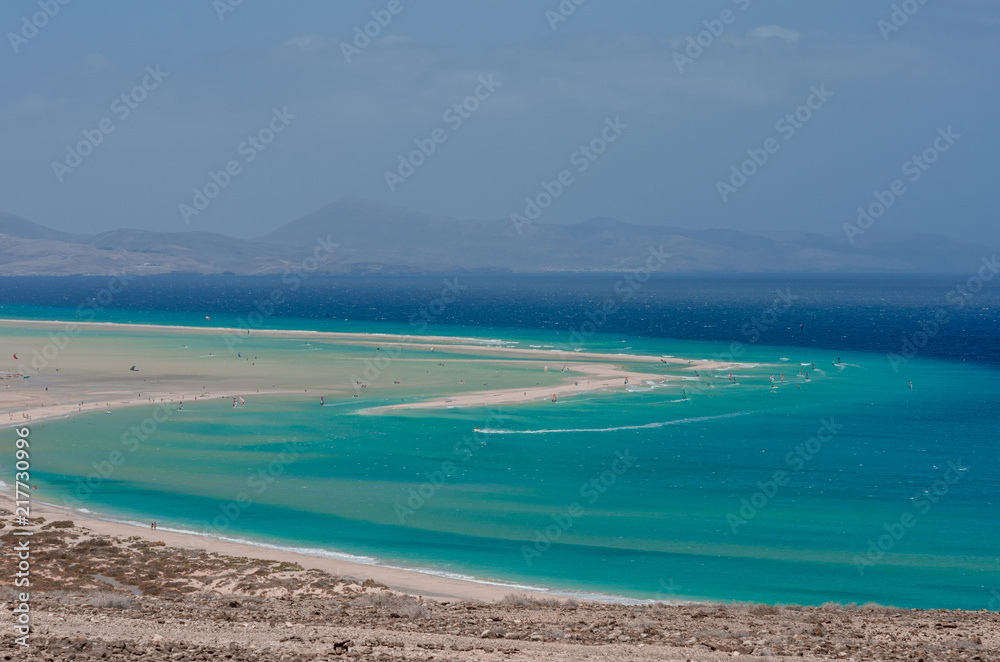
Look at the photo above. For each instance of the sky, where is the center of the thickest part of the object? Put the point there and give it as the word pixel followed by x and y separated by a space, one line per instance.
pixel 763 116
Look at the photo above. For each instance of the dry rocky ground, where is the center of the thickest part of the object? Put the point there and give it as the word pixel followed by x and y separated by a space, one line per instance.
pixel 101 598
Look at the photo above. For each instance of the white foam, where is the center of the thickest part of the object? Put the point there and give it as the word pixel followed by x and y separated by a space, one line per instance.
pixel 647 426
pixel 491 341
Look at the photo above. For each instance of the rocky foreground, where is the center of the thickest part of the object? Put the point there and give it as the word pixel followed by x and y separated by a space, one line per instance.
pixel 103 598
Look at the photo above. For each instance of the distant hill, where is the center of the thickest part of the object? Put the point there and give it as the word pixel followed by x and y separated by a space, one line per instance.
pixel 22 228
pixel 377 238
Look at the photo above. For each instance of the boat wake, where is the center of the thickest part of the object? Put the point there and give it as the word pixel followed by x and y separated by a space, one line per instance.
pixel 647 426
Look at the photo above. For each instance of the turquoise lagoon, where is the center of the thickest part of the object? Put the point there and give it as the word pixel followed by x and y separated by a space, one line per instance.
pixel 848 487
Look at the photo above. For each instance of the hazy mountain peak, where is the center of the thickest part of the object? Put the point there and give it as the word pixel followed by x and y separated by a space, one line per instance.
pixel 373 236
pixel 22 228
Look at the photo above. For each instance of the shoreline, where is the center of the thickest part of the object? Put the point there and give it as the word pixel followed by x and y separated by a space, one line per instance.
pixel 131 599
pixel 452 342
pixel 602 373
pixel 427 583
pixel 601 368
pixel 345 335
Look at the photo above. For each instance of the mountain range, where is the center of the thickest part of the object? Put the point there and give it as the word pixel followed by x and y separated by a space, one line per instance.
pixel 360 236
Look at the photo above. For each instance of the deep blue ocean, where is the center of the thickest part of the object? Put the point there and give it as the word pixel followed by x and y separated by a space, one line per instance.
pixel 877 314
pixel 888 493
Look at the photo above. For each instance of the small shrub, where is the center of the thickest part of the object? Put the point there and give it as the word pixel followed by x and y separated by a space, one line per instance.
pixel 110 600
pixel 882 610
pixel 61 524
pixel 516 600
pixel 528 601
pixel 385 600
pixel 642 625
pixel 58 595
pixel 202 596
pixel 754 609
pixel 416 611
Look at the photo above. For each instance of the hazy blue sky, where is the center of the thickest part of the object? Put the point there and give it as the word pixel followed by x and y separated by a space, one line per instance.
pixel 891 93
